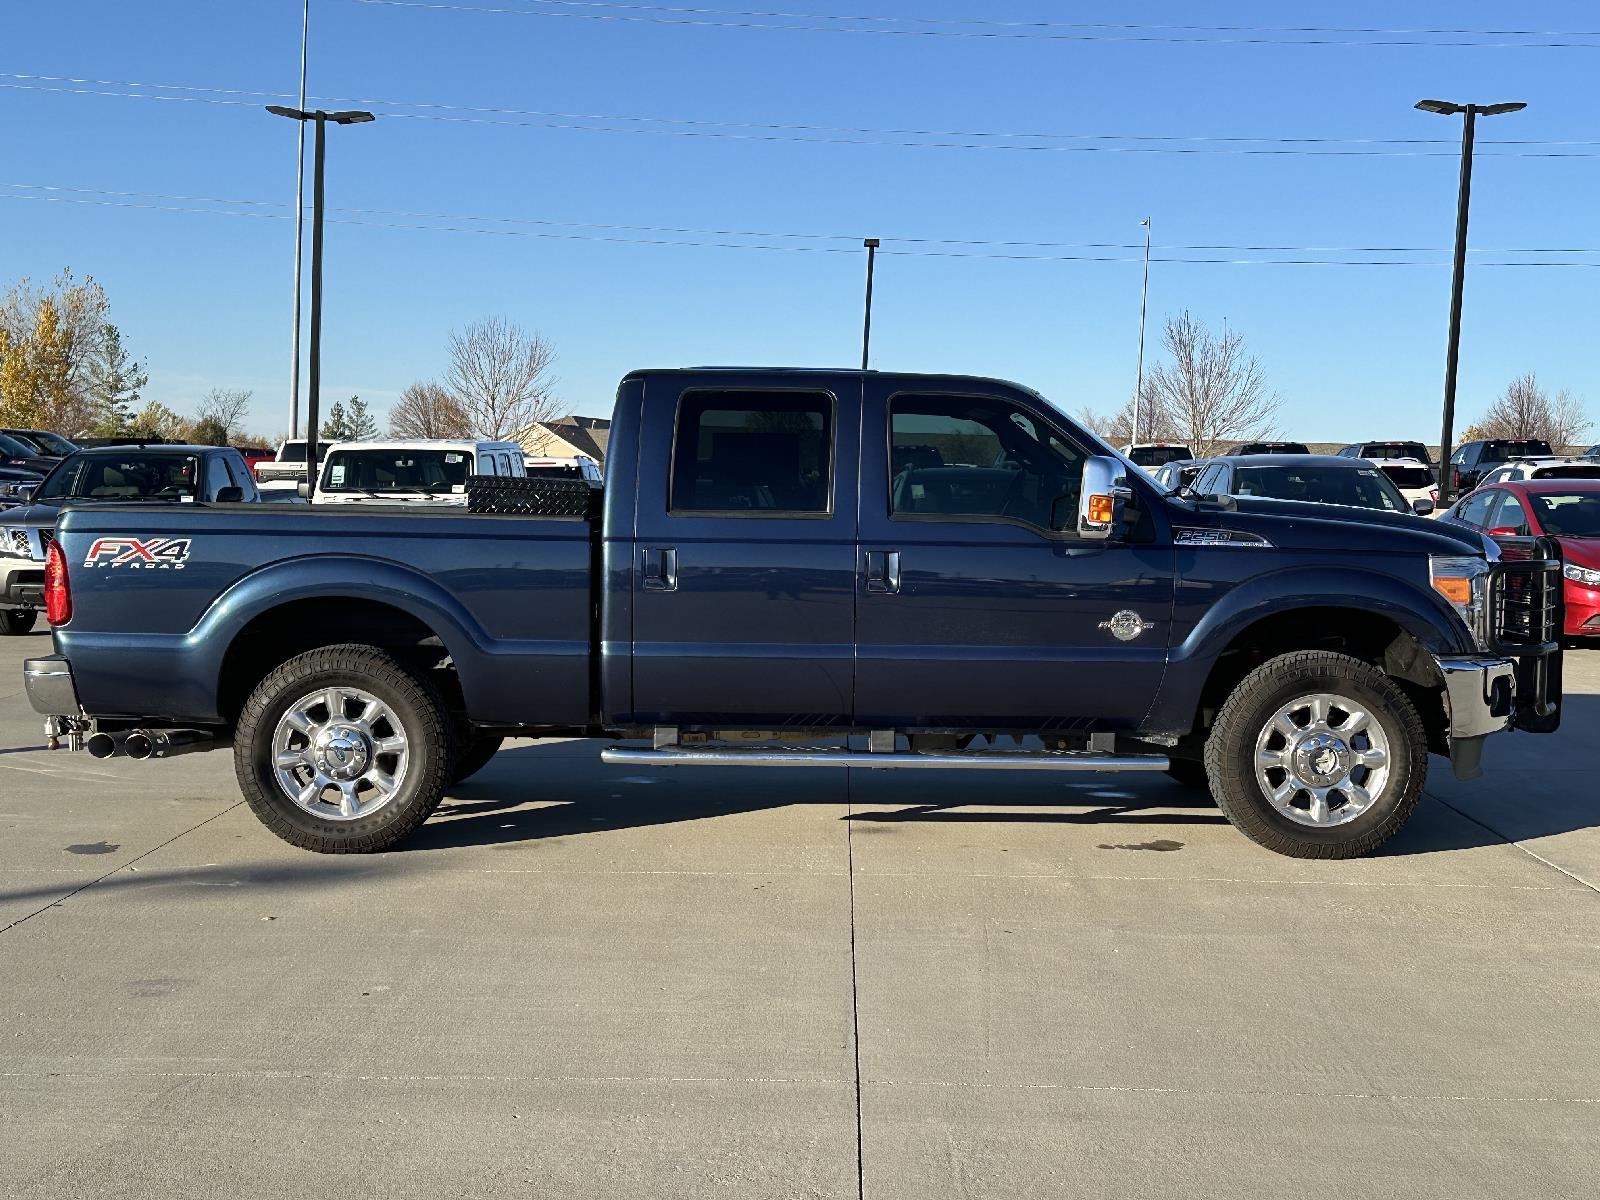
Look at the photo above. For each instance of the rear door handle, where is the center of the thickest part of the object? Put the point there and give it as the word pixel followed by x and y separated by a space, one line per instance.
pixel 660 569
pixel 883 571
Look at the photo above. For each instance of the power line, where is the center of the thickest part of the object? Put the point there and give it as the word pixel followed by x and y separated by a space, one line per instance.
pixel 800 133
pixel 1038 31
pixel 625 234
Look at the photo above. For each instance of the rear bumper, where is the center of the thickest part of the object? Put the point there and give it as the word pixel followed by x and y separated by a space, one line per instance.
pixel 49 684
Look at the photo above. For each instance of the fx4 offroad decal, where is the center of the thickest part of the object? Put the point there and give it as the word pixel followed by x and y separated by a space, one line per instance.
pixel 142 554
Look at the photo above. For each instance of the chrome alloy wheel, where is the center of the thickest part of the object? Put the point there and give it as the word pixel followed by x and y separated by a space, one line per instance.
pixel 339 753
pixel 1322 760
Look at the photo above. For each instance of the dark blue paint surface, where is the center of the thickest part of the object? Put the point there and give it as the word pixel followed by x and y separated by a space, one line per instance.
pixel 995 624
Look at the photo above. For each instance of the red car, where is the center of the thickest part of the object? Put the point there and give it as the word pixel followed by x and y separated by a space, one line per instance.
pixel 254 455
pixel 1565 509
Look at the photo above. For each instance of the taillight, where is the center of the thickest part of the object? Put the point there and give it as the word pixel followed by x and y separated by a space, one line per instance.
pixel 57 588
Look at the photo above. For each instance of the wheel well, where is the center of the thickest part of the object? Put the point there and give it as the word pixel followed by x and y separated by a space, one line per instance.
pixel 1371 637
pixel 278 635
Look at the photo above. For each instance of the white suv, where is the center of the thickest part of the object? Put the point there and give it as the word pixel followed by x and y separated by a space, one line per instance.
pixel 1412 476
pixel 411 472
pixel 1543 467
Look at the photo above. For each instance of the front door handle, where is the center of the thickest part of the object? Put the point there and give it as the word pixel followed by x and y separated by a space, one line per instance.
pixel 660 569
pixel 883 571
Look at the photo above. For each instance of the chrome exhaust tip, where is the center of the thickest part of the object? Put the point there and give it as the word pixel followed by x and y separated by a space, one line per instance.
pixel 167 743
pixel 107 745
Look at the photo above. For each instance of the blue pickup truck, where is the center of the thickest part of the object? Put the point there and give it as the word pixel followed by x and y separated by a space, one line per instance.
pixel 796 568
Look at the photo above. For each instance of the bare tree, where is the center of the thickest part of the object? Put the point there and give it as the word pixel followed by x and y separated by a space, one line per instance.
pixel 1521 411
pixel 426 410
pixel 500 378
pixel 1525 410
pixel 1569 422
pixel 1209 393
pixel 224 409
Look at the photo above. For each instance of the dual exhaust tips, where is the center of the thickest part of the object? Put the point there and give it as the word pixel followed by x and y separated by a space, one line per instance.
pixel 141 744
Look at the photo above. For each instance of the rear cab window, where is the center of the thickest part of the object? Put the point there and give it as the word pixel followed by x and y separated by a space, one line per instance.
pixel 753 453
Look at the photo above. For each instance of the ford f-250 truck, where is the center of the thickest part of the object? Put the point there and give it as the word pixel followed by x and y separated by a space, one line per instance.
pixel 788 560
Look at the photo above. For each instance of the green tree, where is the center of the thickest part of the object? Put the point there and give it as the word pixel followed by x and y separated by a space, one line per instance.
pixel 112 381
pixel 208 431
pixel 362 424
pixel 335 424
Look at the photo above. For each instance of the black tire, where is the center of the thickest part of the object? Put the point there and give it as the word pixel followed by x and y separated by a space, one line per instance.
pixel 420 712
pixel 15 621
pixel 1231 754
pixel 1190 772
pixel 473 754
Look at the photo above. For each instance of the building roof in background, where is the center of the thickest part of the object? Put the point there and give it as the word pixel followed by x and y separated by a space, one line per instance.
pixel 580 435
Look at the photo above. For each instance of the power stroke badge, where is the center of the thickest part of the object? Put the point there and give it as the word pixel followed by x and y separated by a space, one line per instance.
pixel 139 554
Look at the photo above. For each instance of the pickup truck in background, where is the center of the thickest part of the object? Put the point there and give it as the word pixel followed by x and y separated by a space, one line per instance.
pixel 288 469
pixel 120 474
pixel 416 471
pixel 789 564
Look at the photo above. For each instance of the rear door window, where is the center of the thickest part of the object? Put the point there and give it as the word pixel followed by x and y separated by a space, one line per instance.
pixel 1510 515
pixel 753 454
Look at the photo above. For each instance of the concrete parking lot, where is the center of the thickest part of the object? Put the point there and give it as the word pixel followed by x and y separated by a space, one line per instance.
pixel 586 981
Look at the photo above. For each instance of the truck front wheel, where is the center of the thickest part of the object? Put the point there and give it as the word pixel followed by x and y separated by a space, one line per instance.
pixel 343 750
pixel 1317 755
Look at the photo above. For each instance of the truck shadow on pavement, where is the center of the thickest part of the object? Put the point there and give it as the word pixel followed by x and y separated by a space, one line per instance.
pixel 1533 787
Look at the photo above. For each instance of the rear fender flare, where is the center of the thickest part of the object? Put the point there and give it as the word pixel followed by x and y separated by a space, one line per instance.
pixel 335 577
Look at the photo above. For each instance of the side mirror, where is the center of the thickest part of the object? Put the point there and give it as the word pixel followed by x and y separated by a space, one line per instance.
pixel 25 492
pixel 1105 490
pixel 304 488
pixel 1500 531
pixel 230 495
pixel 1422 507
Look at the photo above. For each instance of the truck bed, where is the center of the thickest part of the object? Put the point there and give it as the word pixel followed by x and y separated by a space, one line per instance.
pixel 167 591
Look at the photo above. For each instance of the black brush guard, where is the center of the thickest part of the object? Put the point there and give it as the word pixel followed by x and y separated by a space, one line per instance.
pixel 1527 615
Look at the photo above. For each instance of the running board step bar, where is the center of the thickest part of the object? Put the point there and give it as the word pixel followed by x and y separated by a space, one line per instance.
pixel 964 760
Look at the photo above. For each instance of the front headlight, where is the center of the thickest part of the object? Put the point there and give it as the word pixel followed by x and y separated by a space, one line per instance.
pixel 1464 582
pixel 1582 575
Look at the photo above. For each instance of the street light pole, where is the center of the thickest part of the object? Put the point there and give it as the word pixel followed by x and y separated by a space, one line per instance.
pixel 314 358
pixel 866 325
pixel 1144 299
pixel 1469 114
pixel 299 225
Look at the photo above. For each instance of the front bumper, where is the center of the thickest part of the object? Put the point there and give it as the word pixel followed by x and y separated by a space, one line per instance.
pixel 49 684
pixel 21 583
pixel 1480 694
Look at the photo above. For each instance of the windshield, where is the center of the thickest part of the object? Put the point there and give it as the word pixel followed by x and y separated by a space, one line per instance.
pixel 1500 452
pixel 122 477
pixel 48 443
pixel 1360 488
pixel 396 470
pixel 1568 514
pixel 1568 471
pixel 1157 456
pixel 1409 477
pixel 1379 450
pixel 293 452
pixel 12 447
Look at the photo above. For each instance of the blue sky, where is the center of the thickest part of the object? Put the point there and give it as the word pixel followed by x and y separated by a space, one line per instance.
pixel 1355 351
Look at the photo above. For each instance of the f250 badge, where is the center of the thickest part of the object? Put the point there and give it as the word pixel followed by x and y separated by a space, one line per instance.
pixel 1125 625
pixel 139 554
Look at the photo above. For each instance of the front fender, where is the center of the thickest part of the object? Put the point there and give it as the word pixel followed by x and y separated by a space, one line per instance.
pixel 1419 611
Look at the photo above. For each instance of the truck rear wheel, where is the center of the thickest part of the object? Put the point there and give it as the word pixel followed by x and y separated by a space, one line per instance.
pixel 343 750
pixel 1317 755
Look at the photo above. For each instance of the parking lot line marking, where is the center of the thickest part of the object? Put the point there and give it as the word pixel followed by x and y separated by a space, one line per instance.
pixel 1513 842
pixel 85 887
